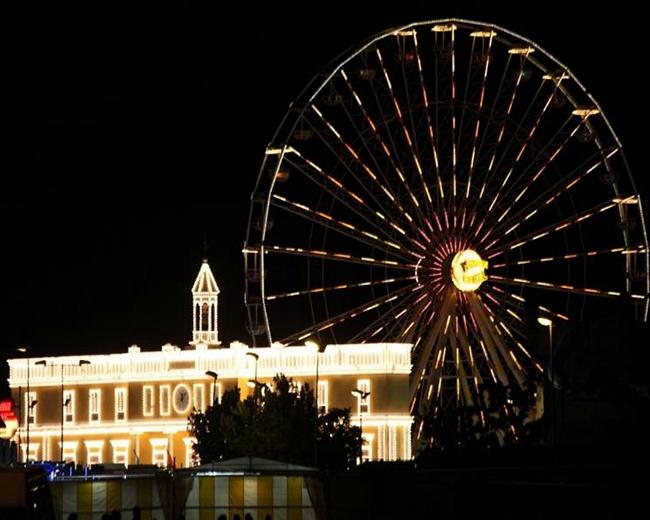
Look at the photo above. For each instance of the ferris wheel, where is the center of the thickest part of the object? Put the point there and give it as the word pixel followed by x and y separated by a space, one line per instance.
pixel 432 186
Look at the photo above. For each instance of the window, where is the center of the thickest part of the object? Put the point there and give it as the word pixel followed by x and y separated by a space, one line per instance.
pixel 188 441
pixel 30 406
pixel 366 447
pixel 120 404
pixel 159 451
pixel 94 451
pixel 364 404
pixel 68 404
pixel 323 390
pixel 205 309
pixel 147 401
pixel 199 397
pixel 165 391
pixel 94 404
pixel 120 451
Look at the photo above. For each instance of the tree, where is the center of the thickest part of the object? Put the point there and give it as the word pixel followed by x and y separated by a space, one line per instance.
pixel 275 422
pixel 213 443
pixel 503 417
pixel 338 443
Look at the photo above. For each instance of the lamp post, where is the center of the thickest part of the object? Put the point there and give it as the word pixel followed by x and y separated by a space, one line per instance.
pixel 213 375
pixel 24 349
pixel 64 402
pixel 319 350
pixel 361 395
pixel 546 322
pixel 256 357
pixel 254 383
pixel 31 403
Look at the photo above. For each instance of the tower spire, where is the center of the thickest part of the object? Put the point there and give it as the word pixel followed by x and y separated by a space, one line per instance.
pixel 205 293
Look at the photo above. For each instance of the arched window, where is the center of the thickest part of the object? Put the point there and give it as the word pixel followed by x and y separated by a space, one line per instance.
pixel 197 317
pixel 205 311
pixel 213 318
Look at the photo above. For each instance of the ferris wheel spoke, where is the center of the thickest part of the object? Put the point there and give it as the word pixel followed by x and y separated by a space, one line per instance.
pixel 410 104
pixel 563 186
pixel 482 309
pixel 413 141
pixel 521 347
pixel 502 130
pixel 453 114
pixel 492 120
pixel 368 171
pixel 434 378
pixel 409 136
pixel 338 257
pixel 340 287
pixel 455 353
pixel 432 339
pixel 474 332
pixel 572 256
pixel 414 326
pixel 504 304
pixel 463 103
pixel 477 125
pixel 386 322
pixel 432 137
pixel 557 226
pixel 524 146
pixel 381 211
pixel 477 378
pixel 350 200
pixel 344 316
pixel 395 159
pixel 345 228
pixel 527 183
pixel 566 288
pixel 520 300
pixel 384 147
pixel 485 339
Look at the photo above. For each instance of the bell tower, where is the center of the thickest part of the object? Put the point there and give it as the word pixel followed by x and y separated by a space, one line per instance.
pixel 205 298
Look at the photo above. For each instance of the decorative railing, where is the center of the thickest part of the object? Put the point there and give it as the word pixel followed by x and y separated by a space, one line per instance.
pixel 171 362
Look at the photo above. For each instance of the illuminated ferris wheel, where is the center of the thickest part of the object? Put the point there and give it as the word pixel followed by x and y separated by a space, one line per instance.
pixel 434 185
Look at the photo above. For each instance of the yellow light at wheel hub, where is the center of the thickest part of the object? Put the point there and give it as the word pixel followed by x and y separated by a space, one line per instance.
pixel 468 270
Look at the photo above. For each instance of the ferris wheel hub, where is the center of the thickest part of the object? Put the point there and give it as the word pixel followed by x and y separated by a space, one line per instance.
pixel 468 270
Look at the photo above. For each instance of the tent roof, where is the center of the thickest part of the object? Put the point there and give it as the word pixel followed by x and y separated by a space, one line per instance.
pixel 252 465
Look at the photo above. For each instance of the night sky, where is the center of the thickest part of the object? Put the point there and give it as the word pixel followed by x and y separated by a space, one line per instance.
pixel 128 136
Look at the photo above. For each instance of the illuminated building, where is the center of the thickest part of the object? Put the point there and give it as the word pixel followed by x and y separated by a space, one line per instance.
pixel 132 407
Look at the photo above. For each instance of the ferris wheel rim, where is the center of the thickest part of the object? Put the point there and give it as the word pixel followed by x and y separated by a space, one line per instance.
pixel 281 147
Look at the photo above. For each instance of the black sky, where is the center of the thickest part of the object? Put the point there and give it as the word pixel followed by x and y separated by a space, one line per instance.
pixel 126 136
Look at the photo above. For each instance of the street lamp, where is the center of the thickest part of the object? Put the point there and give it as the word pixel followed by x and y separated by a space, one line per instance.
pixel 65 402
pixel 24 349
pixel 259 390
pixel 251 383
pixel 319 350
pixel 213 375
pixel 31 403
pixel 362 396
pixel 546 322
pixel 256 357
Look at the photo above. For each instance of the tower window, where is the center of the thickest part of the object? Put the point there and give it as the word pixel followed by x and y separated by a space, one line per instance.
pixel 205 312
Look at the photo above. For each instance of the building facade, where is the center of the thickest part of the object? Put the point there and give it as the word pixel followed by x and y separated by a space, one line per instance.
pixel 132 408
